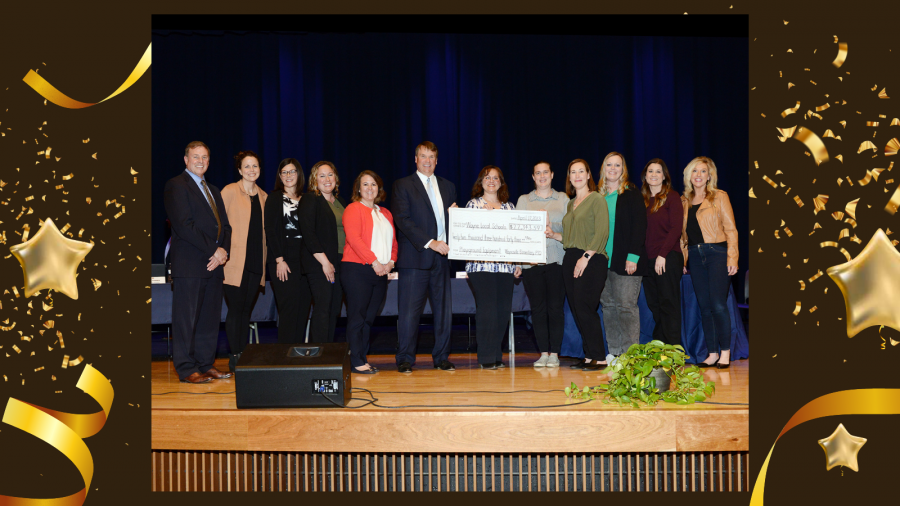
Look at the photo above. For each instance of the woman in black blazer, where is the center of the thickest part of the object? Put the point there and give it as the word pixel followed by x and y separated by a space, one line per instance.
pixel 321 213
pixel 284 241
pixel 627 254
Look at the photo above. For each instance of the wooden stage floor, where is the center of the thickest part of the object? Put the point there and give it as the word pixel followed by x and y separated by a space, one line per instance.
pixel 475 415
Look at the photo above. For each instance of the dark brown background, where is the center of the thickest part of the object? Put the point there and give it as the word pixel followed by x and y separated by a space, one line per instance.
pixel 89 51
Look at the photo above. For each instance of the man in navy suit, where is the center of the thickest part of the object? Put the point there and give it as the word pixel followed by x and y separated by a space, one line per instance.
pixel 419 203
pixel 201 239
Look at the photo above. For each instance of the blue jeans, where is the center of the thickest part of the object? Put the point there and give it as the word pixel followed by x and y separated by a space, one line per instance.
pixel 709 273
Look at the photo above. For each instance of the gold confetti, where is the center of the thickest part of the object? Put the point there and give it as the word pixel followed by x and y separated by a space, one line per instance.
pixel 851 221
pixel 802 285
pixel 65 362
pixel 866 145
pixel 814 83
pixel 791 85
pixel 814 115
pixel 872 123
pixel 766 179
pixel 776 235
pixel 16 348
pixel 39 368
pixel 76 361
pixel 844 233
pixel 892 147
pixel 790 110
pixel 813 309
pixel 846 254
pixel 97 283
pixel 797 309
pixel 94 156
pixel 839 157
pixel 814 143
pixel 819 203
pixel 70 176
pixel 894 203
pixel 840 180
pixel 850 208
pixel 856 239
pixel 883 93
pixel 788 231
pixel 752 195
pixel 798 201
pixel 786 133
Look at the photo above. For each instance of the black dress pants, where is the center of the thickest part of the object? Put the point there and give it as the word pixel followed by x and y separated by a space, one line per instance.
pixel 293 298
pixel 493 303
pixel 365 293
pixel 583 293
pixel 663 294
pixel 196 312
pixel 327 297
pixel 546 294
pixel 240 300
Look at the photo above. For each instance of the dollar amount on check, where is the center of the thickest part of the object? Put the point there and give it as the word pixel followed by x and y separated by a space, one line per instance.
pixel 497 236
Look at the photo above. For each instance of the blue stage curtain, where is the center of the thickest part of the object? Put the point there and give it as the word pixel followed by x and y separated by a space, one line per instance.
pixel 364 100
pixel 691 328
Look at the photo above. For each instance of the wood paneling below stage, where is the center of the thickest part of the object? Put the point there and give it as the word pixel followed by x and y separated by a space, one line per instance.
pixel 186 421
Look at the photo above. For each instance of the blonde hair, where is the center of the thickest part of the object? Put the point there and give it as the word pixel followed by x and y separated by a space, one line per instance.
pixel 623 180
pixel 710 184
pixel 314 175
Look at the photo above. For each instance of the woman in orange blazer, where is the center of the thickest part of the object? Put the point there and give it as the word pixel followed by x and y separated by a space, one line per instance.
pixel 369 256
pixel 245 269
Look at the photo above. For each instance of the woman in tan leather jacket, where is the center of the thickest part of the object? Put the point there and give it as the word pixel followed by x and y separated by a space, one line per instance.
pixel 709 242
pixel 245 269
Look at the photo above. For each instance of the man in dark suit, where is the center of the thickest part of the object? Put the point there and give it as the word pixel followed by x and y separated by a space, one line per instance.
pixel 201 239
pixel 419 203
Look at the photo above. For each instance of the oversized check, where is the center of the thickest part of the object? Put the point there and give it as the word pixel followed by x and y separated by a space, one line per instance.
pixel 497 236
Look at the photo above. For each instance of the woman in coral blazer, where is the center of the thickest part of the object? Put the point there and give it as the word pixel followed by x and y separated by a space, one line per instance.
pixel 369 255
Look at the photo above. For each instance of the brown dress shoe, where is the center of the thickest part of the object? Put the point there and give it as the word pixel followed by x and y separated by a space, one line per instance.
pixel 197 377
pixel 217 374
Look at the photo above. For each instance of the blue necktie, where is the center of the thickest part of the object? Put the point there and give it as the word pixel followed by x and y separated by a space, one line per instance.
pixel 437 210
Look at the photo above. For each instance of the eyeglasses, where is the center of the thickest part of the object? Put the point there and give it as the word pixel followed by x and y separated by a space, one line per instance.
pixel 289 173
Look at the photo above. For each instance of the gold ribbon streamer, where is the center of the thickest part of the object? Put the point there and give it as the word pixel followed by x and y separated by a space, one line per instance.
pixel 869 401
pixel 63 431
pixel 59 98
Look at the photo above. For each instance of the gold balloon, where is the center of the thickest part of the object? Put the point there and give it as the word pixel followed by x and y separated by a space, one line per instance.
pixel 869 284
pixel 841 449
pixel 49 260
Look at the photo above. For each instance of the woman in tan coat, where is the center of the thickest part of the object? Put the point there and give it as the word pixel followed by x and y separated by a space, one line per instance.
pixel 245 270
pixel 709 243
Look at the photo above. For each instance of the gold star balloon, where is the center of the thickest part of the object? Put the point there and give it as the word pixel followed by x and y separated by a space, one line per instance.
pixel 870 287
pixel 841 449
pixel 49 260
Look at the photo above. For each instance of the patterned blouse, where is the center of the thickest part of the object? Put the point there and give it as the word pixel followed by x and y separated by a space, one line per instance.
pixel 291 221
pixel 477 266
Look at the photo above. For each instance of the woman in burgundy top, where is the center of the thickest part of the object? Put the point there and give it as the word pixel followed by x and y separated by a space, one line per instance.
pixel 662 288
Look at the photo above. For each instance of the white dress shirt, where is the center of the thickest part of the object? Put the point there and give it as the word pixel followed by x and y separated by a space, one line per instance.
pixel 437 196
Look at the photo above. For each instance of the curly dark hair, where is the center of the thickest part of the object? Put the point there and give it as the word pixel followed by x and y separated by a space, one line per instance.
pixel 478 190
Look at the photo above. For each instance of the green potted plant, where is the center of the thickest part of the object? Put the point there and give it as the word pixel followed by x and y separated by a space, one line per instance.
pixel 647 373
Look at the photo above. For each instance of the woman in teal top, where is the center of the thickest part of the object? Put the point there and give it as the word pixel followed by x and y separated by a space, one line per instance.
pixel 626 252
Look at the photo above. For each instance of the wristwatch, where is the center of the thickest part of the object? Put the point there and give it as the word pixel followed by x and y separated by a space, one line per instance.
pixel 586 255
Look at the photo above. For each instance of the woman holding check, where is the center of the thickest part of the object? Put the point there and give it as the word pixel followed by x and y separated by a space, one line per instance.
pixel 492 282
pixel 369 256
pixel 585 234
pixel 544 283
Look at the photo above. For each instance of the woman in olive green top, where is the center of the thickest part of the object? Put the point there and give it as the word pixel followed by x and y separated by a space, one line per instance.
pixel 321 225
pixel 585 233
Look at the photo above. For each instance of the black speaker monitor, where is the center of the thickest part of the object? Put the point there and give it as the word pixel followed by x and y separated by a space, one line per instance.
pixel 293 376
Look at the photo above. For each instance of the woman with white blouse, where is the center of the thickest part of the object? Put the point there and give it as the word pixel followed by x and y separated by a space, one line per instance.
pixel 492 282
pixel 369 255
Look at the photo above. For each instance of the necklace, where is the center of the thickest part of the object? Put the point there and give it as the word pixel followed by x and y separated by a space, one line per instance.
pixel 245 191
